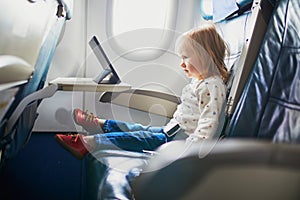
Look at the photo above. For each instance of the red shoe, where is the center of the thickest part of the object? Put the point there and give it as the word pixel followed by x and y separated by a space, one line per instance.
pixel 74 144
pixel 88 121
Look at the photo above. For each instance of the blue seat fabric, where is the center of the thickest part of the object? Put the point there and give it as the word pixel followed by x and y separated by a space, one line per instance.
pixel 269 107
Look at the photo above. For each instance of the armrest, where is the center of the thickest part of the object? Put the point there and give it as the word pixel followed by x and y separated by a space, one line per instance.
pixel 151 101
pixel 38 95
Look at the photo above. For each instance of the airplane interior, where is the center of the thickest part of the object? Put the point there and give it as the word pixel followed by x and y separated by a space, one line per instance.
pixel 117 59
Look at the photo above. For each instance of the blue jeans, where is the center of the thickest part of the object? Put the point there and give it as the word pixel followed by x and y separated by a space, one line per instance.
pixel 130 136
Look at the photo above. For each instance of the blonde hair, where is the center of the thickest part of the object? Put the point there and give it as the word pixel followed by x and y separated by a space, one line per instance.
pixel 206 42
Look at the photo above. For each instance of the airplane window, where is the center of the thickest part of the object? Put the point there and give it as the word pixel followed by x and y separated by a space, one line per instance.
pixel 141 29
pixel 206 7
pixel 134 14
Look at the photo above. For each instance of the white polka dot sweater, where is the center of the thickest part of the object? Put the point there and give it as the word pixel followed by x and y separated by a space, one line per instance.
pixel 201 104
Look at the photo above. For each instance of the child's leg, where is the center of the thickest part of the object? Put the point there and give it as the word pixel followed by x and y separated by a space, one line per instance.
pixel 132 141
pixel 120 126
pixel 127 136
pixel 93 124
pixel 148 139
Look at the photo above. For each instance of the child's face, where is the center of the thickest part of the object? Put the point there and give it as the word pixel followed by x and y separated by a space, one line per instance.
pixel 191 64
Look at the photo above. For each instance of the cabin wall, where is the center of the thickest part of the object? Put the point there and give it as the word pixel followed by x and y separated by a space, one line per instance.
pixel 73 58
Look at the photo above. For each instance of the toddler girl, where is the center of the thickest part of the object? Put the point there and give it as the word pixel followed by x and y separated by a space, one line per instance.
pixel 202 52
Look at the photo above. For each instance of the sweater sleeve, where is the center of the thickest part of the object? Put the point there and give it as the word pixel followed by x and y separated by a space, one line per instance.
pixel 210 101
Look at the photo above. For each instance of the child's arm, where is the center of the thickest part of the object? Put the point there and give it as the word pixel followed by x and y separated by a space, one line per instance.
pixel 211 99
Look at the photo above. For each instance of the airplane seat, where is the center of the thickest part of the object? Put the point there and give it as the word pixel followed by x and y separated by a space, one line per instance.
pixel 29 32
pixel 270 100
pixel 109 171
pixel 229 169
pixel 259 159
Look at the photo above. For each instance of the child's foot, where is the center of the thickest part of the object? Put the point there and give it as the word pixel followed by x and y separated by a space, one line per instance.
pixel 74 143
pixel 88 121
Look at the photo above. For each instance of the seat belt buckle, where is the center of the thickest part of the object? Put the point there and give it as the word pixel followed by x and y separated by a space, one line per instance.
pixel 171 130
